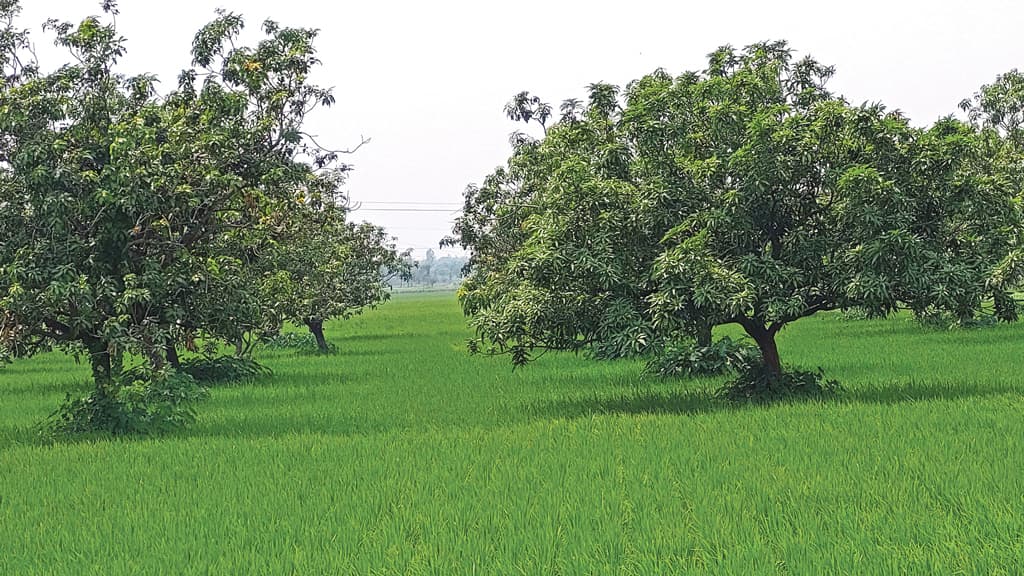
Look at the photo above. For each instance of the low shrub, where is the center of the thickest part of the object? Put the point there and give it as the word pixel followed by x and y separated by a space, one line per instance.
pixel 223 369
pixel 288 341
pixel 685 358
pixel 757 383
pixel 303 342
pixel 138 403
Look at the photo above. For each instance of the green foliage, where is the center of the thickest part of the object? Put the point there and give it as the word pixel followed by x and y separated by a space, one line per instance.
pixel 224 369
pixel 746 193
pixel 686 358
pixel 329 268
pixel 758 383
pixel 942 320
pixel 140 403
pixel 997 109
pixel 289 341
pixel 119 208
pixel 133 222
pixel 1000 106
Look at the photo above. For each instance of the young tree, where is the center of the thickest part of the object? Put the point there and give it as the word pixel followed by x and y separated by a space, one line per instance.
pixel 116 203
pixel 330 268
pixel 746 194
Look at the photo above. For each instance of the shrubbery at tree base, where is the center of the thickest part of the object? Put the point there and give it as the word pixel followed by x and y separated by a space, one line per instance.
pixel 746 194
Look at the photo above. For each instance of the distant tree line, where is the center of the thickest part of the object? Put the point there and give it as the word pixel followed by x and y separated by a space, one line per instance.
pixel 433 272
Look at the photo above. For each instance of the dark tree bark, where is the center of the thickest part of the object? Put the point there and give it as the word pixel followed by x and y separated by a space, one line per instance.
pixel 101 362
pixel 764 337
pixel 316 326
pixel 704 336
pixel 172 356
pixel 770 354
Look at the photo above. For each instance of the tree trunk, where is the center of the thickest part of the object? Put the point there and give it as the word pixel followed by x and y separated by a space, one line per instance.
pixel 770 354
pixel 316 326
pixel 101 362
pixel 172 356
pixel 704 336
pixel 765 339
pixel 239 347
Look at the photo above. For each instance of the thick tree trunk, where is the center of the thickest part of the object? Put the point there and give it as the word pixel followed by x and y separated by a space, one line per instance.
pixel 316 326
pixel 172 356
pixel 239 347
pixel 770 354
pixel 704 336
pixel 765 339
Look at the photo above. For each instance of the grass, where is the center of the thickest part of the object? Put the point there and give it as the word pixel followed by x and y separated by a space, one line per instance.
pixel 403 455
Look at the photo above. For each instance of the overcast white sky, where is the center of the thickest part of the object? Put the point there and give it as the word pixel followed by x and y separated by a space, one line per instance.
pixel 427 80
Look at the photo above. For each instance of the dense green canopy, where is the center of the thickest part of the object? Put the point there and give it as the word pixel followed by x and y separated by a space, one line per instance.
pixel 133 222
pixel 746 193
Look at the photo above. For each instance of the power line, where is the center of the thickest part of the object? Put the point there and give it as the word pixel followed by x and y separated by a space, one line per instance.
pixel 397 203
pixel 448 210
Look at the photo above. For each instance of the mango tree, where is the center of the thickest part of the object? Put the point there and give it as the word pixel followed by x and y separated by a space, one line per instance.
pixel 115 201
pixel 997 110
pixel 746 193
pixel 332 268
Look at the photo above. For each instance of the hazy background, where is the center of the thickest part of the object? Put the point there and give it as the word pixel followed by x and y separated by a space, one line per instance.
pixel 427 80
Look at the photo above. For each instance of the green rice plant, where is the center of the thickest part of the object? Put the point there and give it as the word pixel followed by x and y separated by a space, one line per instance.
pixel 405 455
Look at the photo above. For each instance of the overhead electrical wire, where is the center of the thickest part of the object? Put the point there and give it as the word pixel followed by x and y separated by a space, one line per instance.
pixel 448 210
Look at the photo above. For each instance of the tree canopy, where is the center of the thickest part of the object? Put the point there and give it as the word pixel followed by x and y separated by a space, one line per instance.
pixel 114 198
pixel 746 193
pixel 330 268
pixel 131 221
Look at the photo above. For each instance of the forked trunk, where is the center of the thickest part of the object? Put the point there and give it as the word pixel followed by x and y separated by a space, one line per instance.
pixel 765 339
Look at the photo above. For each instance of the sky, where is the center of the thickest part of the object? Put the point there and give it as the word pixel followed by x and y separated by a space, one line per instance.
pixel 426 81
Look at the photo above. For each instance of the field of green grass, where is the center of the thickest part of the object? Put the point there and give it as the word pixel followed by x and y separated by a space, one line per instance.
pixel 403 455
